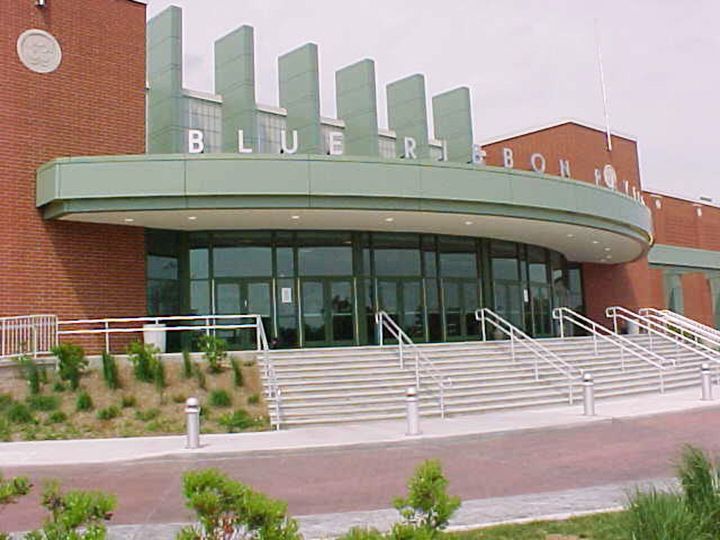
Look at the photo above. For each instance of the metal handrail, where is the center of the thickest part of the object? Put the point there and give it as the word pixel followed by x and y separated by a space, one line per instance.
pixel 667 316
pixel 422 362
pixel 273 388
pixel 540 352
pixel 27 334
pixel 563 314
pixel 653 327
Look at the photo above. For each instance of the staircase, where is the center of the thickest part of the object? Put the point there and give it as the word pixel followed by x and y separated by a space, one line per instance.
pixel 359 384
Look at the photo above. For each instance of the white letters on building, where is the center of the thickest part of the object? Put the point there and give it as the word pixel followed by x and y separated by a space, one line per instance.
pixel 283 142
pixel 565 168
pixel 335 143
pixel 241 143
pixel 196 141
pixel 508 161
pixel 410 146
pixel 537 162
pixel 478 155
pixel 609 176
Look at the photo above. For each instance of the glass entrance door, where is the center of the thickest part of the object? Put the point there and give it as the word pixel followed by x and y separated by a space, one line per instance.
pixel 327 312
pixel 460 300
pixel 242 297
pixel 402 299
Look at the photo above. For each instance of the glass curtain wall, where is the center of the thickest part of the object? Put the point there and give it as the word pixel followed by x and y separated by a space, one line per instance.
pixel 320 288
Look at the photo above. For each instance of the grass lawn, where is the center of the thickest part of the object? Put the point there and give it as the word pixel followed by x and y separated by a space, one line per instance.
pixel 606 526
pixel 140 409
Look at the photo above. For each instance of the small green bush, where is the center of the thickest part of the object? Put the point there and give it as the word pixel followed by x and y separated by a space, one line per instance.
pixel 71 363
pixel 220 398
pixel 19 413
pixel 84 402
pixel 5 431
pixel 179 398
pixel 14 488
pixel 427 507
pixel 214 350
pixel 238 420
pixel 238 379
pixel 662 516
pixel 43 403
pixel 146 416
pixel 362 533
pixel 222 504
pixel 30 372
pixel 144 359
pixel 201 380
pixel 110 371
pixel 128 401
pixel 5 401
pixel 59 387
pixel 253 399
pixel 187 364
pixel 159 375
pixel 108 413
pixel 57 417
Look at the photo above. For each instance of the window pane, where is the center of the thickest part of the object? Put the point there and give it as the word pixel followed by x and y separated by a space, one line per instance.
pixel 242 261
pixel 537 264
pixel 458 257
pixel 162 267
pixel 285 262
pixel 199 263
pixel 396 254
pixel 325 261
pixel 200 297
pixel 504 260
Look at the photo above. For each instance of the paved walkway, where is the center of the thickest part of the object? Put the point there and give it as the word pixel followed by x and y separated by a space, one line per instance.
pixel 501 473
pixel 74 452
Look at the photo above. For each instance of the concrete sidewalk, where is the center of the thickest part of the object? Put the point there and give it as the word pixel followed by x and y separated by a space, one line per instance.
pixel 73 452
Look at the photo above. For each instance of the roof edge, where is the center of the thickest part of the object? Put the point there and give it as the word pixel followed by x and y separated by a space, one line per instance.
pixel 555 124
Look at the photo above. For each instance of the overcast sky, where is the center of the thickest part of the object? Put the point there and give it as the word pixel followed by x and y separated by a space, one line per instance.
pixel 526 62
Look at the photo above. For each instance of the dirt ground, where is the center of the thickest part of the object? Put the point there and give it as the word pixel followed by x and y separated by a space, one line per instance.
pixel 154 412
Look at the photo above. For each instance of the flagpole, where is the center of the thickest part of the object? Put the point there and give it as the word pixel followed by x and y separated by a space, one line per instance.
pixel 603 88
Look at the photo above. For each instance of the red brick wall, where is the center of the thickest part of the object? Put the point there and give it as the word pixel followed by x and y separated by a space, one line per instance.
pixel 585 148
pixel 93 104
pixel 677 222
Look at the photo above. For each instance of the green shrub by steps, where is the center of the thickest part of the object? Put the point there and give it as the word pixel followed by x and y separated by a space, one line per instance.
pixel 200 376
pixel 43 403
pixel 57 417
pixel 84 402
pixel 127 402
pixel 144 358
pixel 110 371
pixel 238 379
pixel 5 401
pixel 19 413
pixel 5 431
pixel 71 363
pixel 219 398
pixel 146 416
pixel 31 373
pixel 239 420
pixel 108 413
pixel 253 399
pixel 59 386
pixel 187 364
pixel 214 350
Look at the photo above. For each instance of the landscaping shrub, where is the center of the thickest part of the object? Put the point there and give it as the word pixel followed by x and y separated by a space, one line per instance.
pixel 146 416
pixel 144 359
pixel 200 376
pixel 128 401
pixel 662 516
pixel 57 417
pixel 110 371
pixel 71 363
pixel 5 431
pixel 84 402
pixel 19 413
pixel 58 386
pixel 108 413
pixel 10 491
pixel 30 372
pixel 237 421
pixel 187 364
pixel 74 515
pixel 362 533
pixel 5 401
pixel 253 399
pixel 427 507
pixel 159 374
pixel 220 398
pixel 214 350
pixel 238 379
pixel 43 403
pixel 179 398
pixel 229 509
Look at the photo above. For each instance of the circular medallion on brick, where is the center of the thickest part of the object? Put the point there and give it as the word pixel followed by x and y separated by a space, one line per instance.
pixel 39 51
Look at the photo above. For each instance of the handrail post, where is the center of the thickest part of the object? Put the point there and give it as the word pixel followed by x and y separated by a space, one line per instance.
pixel 512 343
pixel 595 341
pixel 562 324
pixel 107 337
pixel 417 369
pixel 615 323
pixel 482 324
pixel 400 348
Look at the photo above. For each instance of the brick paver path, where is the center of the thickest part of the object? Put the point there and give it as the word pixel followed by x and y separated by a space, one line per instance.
pixel 321 481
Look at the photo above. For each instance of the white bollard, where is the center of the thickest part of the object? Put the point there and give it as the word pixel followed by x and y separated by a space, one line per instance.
pixel 588 395
pixel 413 412
pixel 192 412
pixel 705 379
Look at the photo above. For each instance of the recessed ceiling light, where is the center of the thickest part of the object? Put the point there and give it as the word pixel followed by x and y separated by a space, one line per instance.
pixel 389 219
pixel 128 220
pixel 468 223
pixel 570 235
pixel 609 257
pixel 192 218
pixel 608 249
pixel 295 217
pixel 595 242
